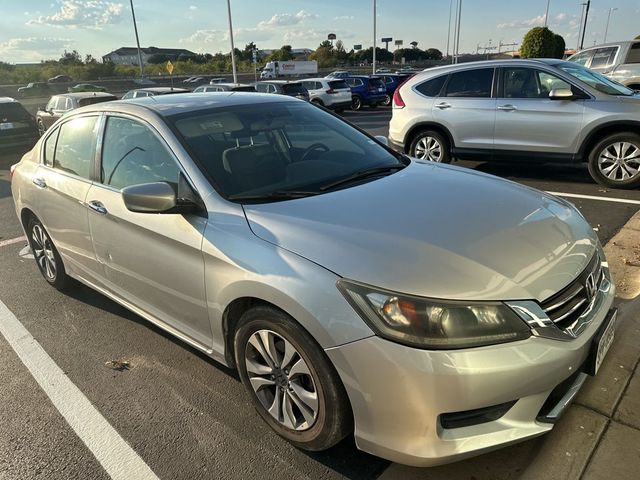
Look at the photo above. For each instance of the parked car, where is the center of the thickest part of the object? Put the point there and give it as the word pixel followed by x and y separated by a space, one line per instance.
pixel 383 70
pixel 60 79
pixel 283 87
pixel 619 61
pixel 60 105
pixel 366 90
pixel 34 89
pixel 215 80
pixel 331 93
pixel 189 79
pixel 86 87
pixel 152 91
pixel 225 87
pixel 339 74
pixel 545 110
pixel 17 126
pixel 407 69
pixel 259 230
pixel 391 82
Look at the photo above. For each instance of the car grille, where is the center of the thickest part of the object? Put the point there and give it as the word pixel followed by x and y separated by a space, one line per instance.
pixel 566 306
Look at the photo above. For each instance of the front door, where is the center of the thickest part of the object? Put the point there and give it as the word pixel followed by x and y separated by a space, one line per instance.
pixel 467 109
pixel 527 120
pixel 153 261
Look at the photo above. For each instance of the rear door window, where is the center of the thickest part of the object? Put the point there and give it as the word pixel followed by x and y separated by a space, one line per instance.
pixel 603 57
pixel 75 148
pixel 634 53
pixel 338 85
pixel 433 87
pixel 470 83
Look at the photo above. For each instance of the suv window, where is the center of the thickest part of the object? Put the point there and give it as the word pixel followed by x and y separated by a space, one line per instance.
pixel 338 84
pixel 354 82
pixel 51 104
pixel 74 150
pixel 132 154
pixel 470 83
pixel 530 83
pixel 293 88
pixel 603 57
pixel 433 87
pixel 581 58
pixel 634 53
pixel 261 87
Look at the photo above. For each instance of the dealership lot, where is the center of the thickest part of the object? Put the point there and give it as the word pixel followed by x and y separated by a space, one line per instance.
pixel 182 414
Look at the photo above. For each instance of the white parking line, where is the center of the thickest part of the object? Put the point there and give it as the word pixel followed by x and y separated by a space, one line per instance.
pixel 592 197
pixel 11 241
pixel 119 460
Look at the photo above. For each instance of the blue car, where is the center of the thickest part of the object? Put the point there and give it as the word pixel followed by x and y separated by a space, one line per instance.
pixel 366 90
pixel 391 82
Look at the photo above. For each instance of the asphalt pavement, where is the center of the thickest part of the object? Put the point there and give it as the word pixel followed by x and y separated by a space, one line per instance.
pixel 180 412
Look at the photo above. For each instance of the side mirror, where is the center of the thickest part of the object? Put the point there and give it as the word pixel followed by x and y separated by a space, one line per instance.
pixel 382 139
pixel 561 94
pixel 156 197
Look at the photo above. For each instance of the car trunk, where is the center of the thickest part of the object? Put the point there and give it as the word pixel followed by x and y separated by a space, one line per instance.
pixel 16 125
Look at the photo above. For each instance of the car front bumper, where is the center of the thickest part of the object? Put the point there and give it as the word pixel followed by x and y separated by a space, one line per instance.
pixel 400 395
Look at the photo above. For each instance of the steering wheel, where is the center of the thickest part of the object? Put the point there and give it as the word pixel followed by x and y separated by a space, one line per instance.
pixel 311 148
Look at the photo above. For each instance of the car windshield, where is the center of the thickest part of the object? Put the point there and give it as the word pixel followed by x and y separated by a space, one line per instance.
pixel 595 80
pixel 12 111
pixel 279 148
pixel 293 88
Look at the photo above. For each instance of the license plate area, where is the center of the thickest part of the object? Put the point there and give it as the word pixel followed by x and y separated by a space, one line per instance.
pixel 601 343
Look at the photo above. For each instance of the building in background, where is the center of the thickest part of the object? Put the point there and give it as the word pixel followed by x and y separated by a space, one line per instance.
pixel 129 55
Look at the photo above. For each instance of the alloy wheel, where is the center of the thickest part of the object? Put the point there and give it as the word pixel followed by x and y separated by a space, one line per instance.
pixel 281 380
pixel 43 252
pixel 620 161
pixel 428 148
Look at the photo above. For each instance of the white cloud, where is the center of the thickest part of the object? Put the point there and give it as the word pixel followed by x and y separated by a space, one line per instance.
pixel 344 17
pixel 560 20
pixel 82 14
pixel 33 49
pixel 286 19
pixel 291 36
pixel 193 7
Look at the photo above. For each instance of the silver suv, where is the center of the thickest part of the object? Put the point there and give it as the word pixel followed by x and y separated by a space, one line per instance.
pixel 619 61
pixel 546 110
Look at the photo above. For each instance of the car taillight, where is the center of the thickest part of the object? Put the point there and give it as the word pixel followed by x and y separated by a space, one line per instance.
pixel 398 102
pixel 331 91
pixel 12 169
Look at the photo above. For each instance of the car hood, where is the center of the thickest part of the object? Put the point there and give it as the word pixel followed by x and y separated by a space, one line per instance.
pixel 437 231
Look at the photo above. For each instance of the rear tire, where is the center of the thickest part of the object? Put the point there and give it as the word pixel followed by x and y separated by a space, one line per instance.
pixel 46 255
pixel 615 161
pixel 432 146
pixel 292 384
pixel 356 103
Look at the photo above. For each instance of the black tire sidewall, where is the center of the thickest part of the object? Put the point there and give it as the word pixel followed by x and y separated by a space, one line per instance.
pixel 334 420
pixel 594 171
pixel 444 144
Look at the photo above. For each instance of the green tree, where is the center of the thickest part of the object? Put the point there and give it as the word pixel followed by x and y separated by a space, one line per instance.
pixel 558 46
pixel 282 54
pixel 71 58
pixel 433 54
pixel 539 42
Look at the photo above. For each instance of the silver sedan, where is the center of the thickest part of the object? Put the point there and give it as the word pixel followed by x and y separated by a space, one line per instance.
pixel 433 312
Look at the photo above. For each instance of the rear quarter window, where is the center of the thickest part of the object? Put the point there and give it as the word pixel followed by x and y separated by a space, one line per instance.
pixel 433 87
pixel 634 53
pixel 338 84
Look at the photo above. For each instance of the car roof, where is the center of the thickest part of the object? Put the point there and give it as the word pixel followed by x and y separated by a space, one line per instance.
pixel 160 89
pixel 7 100
pixel 84 94
pixel 166 105
pixel 282 82
pixel 227 84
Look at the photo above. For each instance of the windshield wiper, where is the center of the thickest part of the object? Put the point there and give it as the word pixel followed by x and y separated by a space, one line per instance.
pixel 275 195
pixel 362 174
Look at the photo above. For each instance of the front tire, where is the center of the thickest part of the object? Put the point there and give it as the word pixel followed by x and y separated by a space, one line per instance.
pixel 291 382
pixel 46 255
pixel 356 103
pixel 432 146
pixel 615 161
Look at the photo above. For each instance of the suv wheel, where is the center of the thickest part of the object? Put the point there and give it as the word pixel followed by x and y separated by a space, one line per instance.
pixel 356 102
pixel 430 145
pixel 615 161
pixel 291 382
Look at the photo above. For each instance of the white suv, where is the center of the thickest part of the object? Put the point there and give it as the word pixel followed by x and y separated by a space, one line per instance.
pixel 328 92
pixel 521 110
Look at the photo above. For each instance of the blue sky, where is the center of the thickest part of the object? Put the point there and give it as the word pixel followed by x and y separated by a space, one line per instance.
pixel 31 30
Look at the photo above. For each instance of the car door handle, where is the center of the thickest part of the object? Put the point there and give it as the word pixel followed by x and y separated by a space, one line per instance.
pixel 507 108
pixel 443 105
pixel 97 206
pixel 40 183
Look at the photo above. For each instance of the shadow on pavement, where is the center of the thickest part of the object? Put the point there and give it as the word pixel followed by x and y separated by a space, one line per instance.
pixel 556 172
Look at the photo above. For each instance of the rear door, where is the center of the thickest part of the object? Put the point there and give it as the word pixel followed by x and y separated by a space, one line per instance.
pixel 153 261
pixel 528 121
pixel 467 109
pixel 63 179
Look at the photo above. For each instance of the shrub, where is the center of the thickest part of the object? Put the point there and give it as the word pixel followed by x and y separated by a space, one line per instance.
pixel 539 42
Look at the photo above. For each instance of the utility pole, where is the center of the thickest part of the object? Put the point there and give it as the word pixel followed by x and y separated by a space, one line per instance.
pixel 458 31
pixel 586 19
pixel 546 15
pixel 135 29
pixel 606 30
pixel 233 53
pixel 583 4
pixel 374 37
pixel 449 31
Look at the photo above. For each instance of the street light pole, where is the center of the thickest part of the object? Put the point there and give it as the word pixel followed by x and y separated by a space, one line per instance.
pixel 135 29
pixel 586 18
pixel 458 31
pixel 606 30
pixel 449 31
pixel 546 15
pixel 233 53
pixel 374 37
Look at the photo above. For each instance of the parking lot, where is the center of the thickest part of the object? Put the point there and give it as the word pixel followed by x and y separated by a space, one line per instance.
pixel 183 415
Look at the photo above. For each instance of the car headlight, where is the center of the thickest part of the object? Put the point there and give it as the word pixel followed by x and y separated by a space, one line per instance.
pixel 434 324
